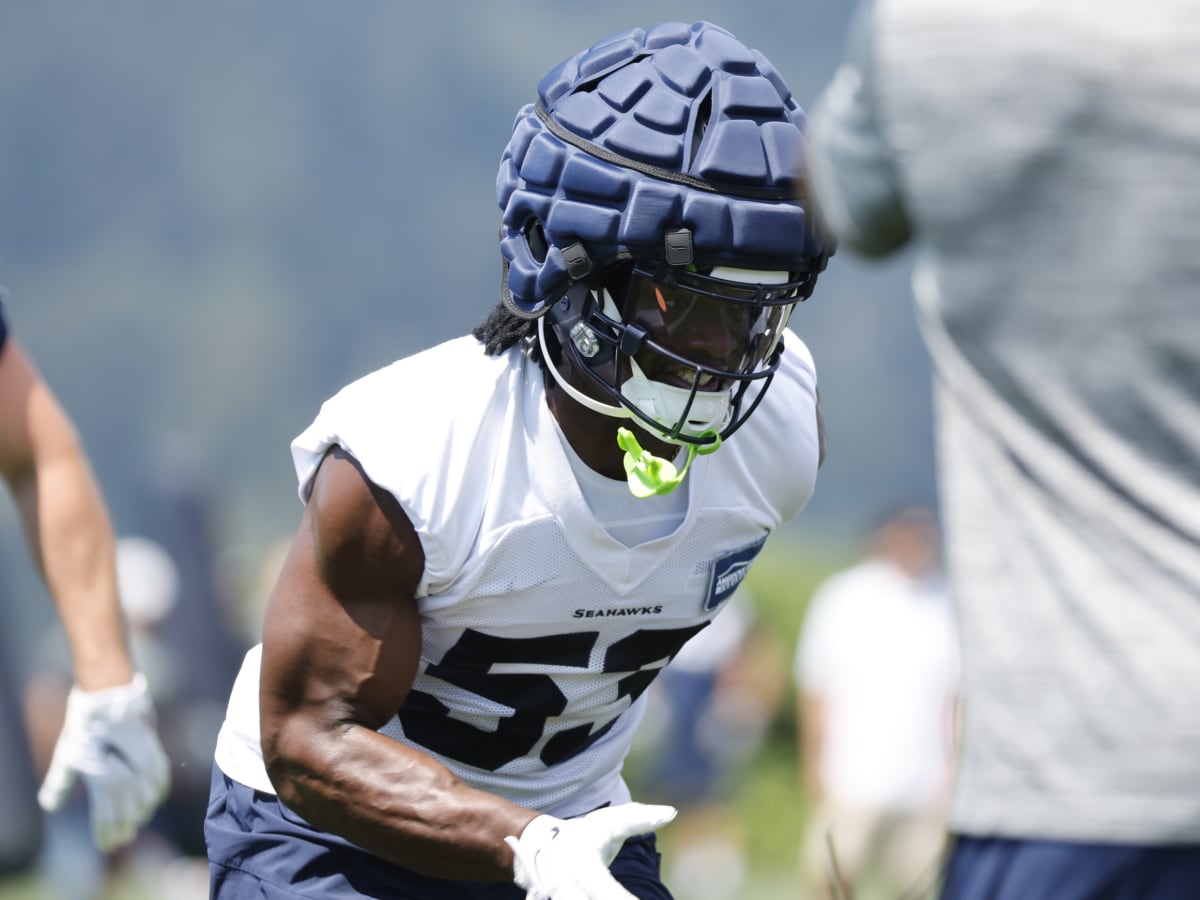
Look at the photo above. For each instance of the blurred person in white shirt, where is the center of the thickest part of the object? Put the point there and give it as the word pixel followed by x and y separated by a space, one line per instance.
pixel 876 669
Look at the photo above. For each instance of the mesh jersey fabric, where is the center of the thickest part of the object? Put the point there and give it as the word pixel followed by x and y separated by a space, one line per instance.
pixel 540 630
pixel 629 519
pixel 1044 155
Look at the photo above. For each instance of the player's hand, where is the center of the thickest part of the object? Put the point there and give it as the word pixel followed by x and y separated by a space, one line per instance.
pixel 109 740
pixel 568 859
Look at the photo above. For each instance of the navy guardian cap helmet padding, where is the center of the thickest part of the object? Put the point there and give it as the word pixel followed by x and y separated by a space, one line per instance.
pixel 673 144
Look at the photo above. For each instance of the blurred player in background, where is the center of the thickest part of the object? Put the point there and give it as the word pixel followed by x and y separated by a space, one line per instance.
pixel 108 739
pixel 507 536
pixel 1044 159
pixel 876 672
pixel 70 866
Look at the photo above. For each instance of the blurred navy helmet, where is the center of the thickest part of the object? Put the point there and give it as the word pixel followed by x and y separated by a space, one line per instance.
pixel 675 143
pixel 655 190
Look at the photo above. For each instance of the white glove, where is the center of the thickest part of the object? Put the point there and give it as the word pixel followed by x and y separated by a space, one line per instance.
pixel 109 739
pixel 568 859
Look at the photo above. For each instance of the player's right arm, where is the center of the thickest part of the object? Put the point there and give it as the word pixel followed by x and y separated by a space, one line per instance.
pixel 341 646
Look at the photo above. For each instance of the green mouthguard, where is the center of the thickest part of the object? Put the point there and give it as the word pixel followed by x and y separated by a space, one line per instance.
pixel 649 475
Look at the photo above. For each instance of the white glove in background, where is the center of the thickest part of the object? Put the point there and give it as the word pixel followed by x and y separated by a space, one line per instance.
pixel 109 740
pixel 568 859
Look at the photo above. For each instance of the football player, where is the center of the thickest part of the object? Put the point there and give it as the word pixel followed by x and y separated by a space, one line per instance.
pixel 507 536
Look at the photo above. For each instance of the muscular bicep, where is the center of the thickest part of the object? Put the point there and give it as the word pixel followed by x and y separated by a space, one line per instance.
pixel 341 645
pixel 341 638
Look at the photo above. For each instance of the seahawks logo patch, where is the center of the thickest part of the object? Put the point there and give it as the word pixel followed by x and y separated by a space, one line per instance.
pixel 728 572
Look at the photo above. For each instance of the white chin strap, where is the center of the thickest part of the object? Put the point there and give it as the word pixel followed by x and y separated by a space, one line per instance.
pixel 710 410
pixel 605 409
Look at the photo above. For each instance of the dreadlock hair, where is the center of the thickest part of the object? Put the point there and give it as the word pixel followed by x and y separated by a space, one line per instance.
pixel 503 328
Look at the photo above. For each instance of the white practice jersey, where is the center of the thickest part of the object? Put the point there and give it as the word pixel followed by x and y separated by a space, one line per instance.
pixel 540 631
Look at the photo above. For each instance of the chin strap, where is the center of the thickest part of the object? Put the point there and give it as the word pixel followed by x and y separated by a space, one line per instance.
pixel 649 475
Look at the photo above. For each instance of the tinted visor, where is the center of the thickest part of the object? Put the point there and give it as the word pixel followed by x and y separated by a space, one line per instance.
pixel 721 324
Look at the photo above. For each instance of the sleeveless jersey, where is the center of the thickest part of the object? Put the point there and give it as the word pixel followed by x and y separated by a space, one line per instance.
pixel 540 631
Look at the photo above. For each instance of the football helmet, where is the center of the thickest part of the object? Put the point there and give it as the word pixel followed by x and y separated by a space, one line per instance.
pixel 653 220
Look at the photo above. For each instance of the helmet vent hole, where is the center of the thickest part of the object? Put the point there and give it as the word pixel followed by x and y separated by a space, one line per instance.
pixel 535 237
pixel 703 113
pixel 590 85
pixel 700 125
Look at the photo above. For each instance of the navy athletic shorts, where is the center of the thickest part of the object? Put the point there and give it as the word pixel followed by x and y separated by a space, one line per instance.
pixel 1005 869
pixel 258 849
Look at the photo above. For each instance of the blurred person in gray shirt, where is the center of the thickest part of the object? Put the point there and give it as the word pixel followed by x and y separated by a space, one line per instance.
pixel 1044 158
